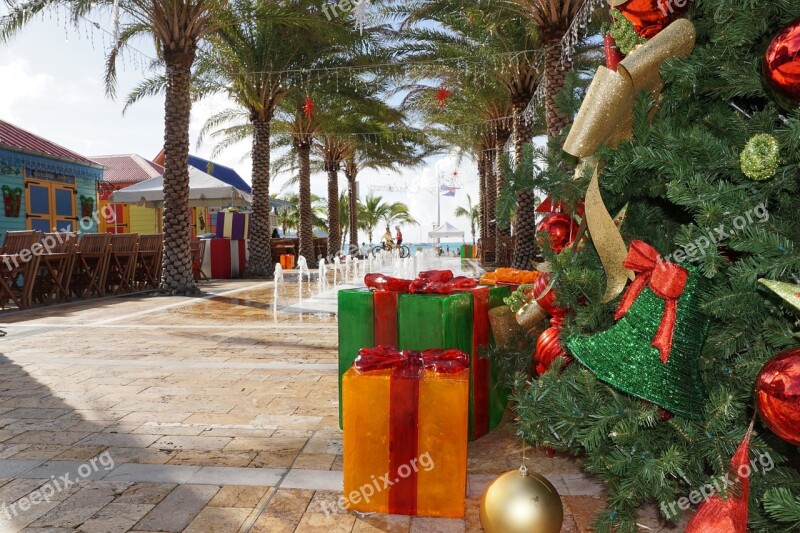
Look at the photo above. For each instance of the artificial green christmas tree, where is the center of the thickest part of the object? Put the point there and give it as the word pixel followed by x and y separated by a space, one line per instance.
pixel 701 200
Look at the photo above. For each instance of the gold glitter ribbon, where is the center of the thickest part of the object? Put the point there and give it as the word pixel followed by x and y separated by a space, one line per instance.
pixel 606 117
pixel 607 240
pixel 788 291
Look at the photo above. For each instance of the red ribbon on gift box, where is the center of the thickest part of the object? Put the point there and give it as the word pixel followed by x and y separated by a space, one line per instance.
pixel 411 363
pixel 428 282
pixel 385 306
pixel 666 280
pixel 407 367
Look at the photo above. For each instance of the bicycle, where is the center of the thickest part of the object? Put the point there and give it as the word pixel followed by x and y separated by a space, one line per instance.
pixel 405 251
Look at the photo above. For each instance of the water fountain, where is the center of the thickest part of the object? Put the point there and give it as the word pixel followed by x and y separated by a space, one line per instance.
pixel 322 278
pixel 302 268
pixel 337 267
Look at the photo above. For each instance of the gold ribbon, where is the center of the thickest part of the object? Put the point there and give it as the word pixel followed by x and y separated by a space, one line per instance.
pixel 607 240
pixel 606 117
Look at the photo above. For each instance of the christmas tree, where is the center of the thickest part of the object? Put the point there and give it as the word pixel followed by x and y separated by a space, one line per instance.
pixel 709 172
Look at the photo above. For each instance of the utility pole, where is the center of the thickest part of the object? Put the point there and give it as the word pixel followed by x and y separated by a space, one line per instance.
pixel 439 199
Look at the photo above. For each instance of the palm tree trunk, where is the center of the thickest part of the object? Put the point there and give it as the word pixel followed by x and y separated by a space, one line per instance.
pixel 525 249
pixel 306 229
pixel 177 277
pixel 554 80
pixel 482 194
pixel 500 141
pixel 333 209
pixel 353 223
pixel 491 195
pixel 259 262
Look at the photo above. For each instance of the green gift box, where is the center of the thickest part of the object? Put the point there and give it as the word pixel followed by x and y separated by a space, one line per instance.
pixel 423 321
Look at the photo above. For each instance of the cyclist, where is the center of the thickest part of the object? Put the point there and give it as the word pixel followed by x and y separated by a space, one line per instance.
pixel 388 242
pixel 398 237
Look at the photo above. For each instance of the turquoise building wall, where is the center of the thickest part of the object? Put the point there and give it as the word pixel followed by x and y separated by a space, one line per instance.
pixel 14 165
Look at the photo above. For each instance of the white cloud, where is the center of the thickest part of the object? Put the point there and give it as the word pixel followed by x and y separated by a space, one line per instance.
pixel 21 86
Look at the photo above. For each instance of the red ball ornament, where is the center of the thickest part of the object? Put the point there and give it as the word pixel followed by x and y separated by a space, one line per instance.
pixel 547 349
pixel 778 395
pixel 664 415
pixel 562 229
pixel 781 67
pixel 547 301
pixel 650 16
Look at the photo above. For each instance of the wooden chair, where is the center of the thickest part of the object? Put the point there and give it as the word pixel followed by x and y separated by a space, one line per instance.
pixel 91 265
pixel 487 254
pixel 55 267
pixel 198 248
pixel 18 266
pixel 148 261
pixel 122 262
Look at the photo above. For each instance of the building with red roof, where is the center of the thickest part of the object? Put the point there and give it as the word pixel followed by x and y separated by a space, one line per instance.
pixel 124 170
pixel 45 186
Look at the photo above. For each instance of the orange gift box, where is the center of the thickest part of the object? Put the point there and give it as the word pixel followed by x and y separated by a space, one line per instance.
pixel 405 433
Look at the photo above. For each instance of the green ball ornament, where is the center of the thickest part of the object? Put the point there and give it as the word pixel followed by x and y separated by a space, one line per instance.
pixel 760 157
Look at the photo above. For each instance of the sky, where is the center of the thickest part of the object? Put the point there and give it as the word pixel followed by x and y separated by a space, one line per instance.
pixel 51 83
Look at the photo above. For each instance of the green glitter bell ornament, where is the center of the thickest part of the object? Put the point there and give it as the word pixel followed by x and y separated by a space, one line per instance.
pixel 653 350
pixel 761 157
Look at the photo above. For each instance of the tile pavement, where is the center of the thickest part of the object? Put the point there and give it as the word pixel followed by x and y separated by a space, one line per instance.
pixel 220 414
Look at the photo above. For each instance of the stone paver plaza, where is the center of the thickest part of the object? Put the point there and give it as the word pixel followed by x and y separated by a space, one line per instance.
pixel 150 413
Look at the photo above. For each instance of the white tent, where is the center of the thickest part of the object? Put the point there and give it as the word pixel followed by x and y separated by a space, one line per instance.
pixel 444 231
pixel 204 190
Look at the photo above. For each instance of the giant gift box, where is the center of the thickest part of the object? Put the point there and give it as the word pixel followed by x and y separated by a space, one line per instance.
pixel 405 433
pixel 233 225
pixel 224 258
pixel 422 321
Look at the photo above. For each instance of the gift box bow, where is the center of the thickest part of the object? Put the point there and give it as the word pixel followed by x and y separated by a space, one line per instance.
pixel 411 363
pixel 666 280
pixel 431 282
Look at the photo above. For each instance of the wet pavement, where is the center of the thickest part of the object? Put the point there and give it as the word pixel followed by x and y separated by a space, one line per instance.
pixel 206 414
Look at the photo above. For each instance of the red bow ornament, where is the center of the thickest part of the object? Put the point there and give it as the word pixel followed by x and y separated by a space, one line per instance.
pixel 666 280
pixel 411 363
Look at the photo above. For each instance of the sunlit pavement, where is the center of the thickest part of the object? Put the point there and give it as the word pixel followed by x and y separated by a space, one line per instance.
pixel 218 414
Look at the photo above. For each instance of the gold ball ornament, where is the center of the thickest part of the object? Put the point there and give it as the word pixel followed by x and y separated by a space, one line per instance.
pixel 521 502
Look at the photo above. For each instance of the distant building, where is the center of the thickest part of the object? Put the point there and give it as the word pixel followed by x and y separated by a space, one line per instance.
pixel 122 171
pixel 45 185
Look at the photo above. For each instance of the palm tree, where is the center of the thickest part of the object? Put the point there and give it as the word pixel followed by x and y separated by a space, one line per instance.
pixel 375 211
pixel 482 32
pixel 243 62
pixel 177 27
pixel 397 146
pixel 472 213
pixel 552 18
pixel 344 217
pixel 289 216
